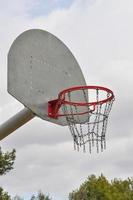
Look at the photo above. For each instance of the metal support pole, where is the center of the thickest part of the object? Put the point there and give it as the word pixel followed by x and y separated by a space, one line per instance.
pixel 15 122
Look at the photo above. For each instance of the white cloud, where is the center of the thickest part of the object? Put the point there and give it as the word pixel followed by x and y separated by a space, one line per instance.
pixel 99 33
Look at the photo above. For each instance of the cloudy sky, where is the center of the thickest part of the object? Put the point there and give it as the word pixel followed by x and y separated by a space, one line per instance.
pixel 100 34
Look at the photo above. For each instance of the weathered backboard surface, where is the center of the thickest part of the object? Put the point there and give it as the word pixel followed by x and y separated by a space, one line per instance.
pixel 39 67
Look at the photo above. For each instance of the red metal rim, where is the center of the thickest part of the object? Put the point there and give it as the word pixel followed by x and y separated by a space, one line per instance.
pixel 61 95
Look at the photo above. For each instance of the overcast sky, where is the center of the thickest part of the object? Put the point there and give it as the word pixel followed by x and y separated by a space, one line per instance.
pixel 100 34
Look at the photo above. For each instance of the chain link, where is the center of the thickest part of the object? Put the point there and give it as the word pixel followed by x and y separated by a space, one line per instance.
pixel 93 130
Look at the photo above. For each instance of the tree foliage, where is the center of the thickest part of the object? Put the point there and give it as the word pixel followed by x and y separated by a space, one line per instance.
pixel 94 188
pixel 99 188
pixel 40 196
pixel 6 161
pixel 6 164
pixel 4 195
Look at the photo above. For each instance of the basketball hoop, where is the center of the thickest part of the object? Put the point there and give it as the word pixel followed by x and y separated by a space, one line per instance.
pixel 84 109
pixel 87 118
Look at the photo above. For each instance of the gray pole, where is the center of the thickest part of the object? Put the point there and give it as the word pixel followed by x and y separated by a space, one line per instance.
pixel 15 122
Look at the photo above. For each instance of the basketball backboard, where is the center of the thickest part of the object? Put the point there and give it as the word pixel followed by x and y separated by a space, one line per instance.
pixel 45 77
pixel 39 67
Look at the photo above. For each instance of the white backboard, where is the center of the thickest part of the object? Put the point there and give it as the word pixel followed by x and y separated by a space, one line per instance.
pixel 39 67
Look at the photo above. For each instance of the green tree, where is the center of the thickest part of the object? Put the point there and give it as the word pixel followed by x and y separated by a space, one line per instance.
pixel 40 196
pixel 99 188
pixel 4 195
pixel 6 164
pixel 6 161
